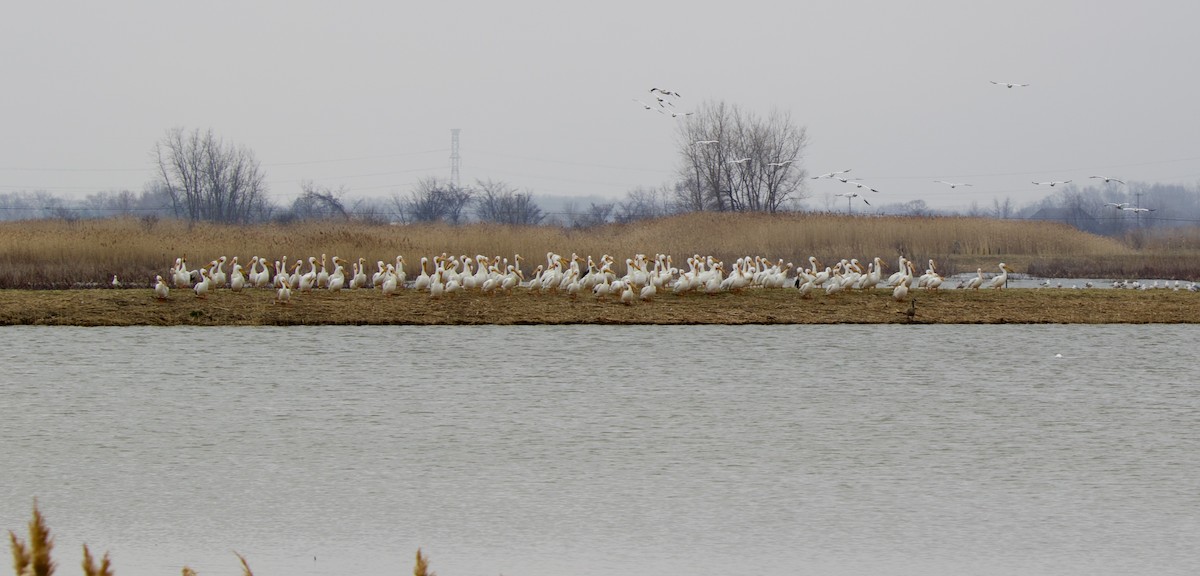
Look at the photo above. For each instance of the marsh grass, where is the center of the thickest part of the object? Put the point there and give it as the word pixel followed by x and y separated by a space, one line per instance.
pixel 33 558
pixel 87 253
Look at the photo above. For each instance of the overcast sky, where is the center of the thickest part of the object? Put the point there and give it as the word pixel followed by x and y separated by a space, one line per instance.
pixel 364 94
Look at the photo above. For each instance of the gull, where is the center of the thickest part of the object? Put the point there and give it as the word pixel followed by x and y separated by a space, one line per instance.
pixel 779 164
pixel 739 161
pixel 831 174
pixel 1053 183
pixel 699 142
pixel 860 185
pixel 952 185
pixel 1007 84
pixel 665 92
pixel 1107 179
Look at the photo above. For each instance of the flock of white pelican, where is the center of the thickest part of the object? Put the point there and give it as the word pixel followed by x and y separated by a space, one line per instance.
pixel 643 279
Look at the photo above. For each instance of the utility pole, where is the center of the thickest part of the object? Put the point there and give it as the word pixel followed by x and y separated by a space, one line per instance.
pixel 455 159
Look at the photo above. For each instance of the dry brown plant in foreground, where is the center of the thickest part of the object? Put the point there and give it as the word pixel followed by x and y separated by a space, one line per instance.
pixel 422 567
pixel 33 559
pixel 90 568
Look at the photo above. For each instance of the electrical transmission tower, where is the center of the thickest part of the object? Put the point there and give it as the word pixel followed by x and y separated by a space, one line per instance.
pixel 455 159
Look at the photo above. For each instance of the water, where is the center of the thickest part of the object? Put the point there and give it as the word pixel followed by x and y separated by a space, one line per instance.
pixel 590 450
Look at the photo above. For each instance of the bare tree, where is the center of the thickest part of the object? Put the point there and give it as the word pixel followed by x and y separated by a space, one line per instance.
pixel 433 200
pixel 1002 210
pixel 209 180
pixel 501 203
pixel 641 203
pixel 319 202
pixel 731 160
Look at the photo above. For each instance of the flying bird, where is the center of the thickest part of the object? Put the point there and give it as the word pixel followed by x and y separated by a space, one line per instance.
pixel 699 142
pixel 783 163
pixel 952 184
pixel 1117 205
pixel 860 185
pixel 831 174
pixel 1007 84
pixel 678 114
pixel 739 161
pixel 665 92
pixel 1053 183
pixel 1139 209
pixel 1107 179
pixel 644 105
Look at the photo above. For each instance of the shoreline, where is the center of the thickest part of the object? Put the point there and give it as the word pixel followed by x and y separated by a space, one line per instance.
pixel 138 307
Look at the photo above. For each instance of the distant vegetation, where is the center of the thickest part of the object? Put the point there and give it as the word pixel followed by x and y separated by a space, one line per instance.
pixel 79 253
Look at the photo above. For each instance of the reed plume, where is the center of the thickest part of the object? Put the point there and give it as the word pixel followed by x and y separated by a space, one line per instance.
pixel 33 558
pixel 90 568
pixel 422 567
pixel 245 567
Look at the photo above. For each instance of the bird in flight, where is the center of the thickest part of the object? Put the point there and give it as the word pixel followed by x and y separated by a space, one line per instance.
pixel 952 184
pixel 860 185
pixel 665 92
pixel 1107 179
pixel 1053 183
pixel 1117 205
pixel 739 161
pixel 831 174
pixel 1139 209
pixel 1007 84
pixel 779 164
pixel 678 114
pixel 699 142
pixel 644 105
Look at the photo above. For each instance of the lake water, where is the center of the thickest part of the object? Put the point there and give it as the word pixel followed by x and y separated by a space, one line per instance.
pixel 600 450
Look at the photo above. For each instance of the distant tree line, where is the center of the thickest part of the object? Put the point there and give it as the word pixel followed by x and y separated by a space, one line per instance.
pixel 729 160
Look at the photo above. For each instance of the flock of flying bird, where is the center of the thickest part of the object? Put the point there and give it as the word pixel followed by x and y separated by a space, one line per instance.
pixel 666 105
pixel 643 278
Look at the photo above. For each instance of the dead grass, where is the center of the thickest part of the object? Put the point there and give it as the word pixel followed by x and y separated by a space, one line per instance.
pixel 756 306
pixel 33 558
pixel 87 253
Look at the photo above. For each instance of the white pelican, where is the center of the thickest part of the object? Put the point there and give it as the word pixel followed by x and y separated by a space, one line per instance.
pixel 900 292
pixel 201 287
pixel 1117 205
pixel 779 164
pixel 738 161
pixel 627 294
pixel 977 281
pixel 1008 84
pixel 284 294
pixel 830 174
pixel 422 281
pixel 181 277
pixel 160 288
pixel 237 280
pixel 665 92
pixel 850 196
pixel 1108 179
pixel 1138 210
pixel 337 280
pixel 323 274
pixel 999 281
pixel 390 281
pixel 116 283
pixel 648 292
pixel 1053 183
pixel 217 273
pixel 952 185
pixel 860 185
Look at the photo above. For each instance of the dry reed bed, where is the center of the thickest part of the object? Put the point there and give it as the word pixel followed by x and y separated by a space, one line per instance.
pixel 756 306
pixel 59 254
pixel 33 558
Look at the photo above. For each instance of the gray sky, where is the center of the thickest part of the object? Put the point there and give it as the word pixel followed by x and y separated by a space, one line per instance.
pixel 364 94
